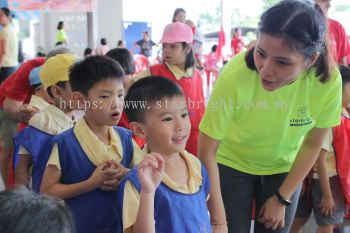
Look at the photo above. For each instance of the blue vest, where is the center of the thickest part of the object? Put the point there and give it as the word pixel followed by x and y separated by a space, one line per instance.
pixel 37 143
pixel 95 211
pixel 175 212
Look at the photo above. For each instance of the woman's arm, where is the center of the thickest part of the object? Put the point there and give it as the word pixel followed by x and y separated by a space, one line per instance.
pixel 304 161
pixel 272 214
pixel 207 148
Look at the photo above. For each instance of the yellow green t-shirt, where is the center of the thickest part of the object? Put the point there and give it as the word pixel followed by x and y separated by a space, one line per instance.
pixel 261 131
pixel 60 36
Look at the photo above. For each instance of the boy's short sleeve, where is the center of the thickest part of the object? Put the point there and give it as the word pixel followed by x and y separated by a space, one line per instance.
pixel 131 203
pixel 54 157
pixel 137 156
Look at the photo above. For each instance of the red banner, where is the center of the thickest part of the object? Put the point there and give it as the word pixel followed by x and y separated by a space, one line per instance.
pixel 53 5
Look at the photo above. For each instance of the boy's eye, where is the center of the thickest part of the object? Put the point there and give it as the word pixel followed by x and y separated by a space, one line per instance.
pixel 167 119
pixel 120 96
pixel 184 115
pixel 104 96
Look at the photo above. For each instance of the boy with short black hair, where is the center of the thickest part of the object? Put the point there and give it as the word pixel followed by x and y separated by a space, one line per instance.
pixel 170 187
pixel 88 161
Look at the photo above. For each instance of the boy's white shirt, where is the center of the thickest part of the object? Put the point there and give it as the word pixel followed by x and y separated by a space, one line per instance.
pixel 50 119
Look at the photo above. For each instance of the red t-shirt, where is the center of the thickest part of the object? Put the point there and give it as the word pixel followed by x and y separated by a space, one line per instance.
pixel 236 45
pixel 339 41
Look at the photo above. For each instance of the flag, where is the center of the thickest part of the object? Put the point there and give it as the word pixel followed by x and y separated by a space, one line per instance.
pixel 221 43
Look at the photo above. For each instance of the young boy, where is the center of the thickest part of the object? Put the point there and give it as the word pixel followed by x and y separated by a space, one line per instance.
pixel 88 161
pixel 327 186
pixel 32 144
pixel 168 191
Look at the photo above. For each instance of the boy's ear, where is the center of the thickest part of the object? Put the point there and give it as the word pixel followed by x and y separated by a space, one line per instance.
pixel 138 129
pixel 78 100
pixel 56 92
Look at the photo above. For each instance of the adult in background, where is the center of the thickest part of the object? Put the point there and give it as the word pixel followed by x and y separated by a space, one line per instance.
pixel 8 45
pixel 338 39
pixel 61 37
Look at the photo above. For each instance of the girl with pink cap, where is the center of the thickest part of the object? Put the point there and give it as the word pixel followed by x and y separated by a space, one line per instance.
pixel 179 66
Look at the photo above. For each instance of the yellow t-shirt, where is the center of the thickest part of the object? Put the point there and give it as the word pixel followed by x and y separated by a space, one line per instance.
pixel 261 131
pixel 173 69
pixel 96 150
pixel 9 35
pixel 131 199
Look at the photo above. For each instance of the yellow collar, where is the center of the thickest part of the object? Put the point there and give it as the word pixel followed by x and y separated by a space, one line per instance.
pixel 179 73
pixel 195 173
pixel 95 149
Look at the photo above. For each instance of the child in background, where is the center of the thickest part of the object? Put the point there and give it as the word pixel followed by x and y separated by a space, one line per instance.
pixel 103 48
pixel 88 161
pixel 211 65
pixel 126 61
pixel 32 148
pixel 326 197
pixel 170 186
pixel 179 66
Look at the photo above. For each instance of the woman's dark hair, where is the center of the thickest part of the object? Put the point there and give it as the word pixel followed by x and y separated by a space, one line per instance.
pixel 7 12
pixel 60 25
pixel 189 62
pixel 176 12
pixel 303 26
pixel 103 41
pixel 214 48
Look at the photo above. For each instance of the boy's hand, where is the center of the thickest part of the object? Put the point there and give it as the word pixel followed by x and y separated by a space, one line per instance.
pixel 150 172
pixel 26 112
pixel 219 228
pixel 98 176
pixel 116 172
pixel 327 206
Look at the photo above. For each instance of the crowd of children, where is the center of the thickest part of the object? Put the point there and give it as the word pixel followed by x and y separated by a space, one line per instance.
pixel 120 148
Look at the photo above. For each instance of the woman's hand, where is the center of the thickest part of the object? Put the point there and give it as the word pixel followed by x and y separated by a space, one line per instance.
pixel 272 214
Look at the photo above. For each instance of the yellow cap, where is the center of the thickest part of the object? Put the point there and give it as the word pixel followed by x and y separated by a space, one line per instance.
pixel 56 69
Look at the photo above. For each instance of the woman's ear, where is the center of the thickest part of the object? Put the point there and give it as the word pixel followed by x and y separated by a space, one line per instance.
pixel 138 129
pixel 311 61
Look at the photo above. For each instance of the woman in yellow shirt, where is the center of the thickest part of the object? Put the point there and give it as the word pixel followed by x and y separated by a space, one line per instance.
pixel 266 119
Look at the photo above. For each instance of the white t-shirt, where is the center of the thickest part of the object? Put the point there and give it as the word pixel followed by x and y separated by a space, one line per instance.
pixel 11 57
